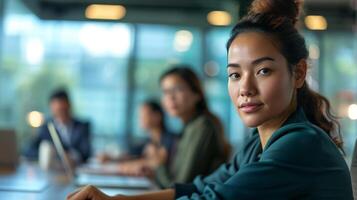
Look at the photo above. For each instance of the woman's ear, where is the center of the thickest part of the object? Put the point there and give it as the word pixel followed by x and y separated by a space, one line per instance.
pixel 300 73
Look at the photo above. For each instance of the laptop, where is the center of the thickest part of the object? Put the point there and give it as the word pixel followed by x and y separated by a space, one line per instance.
pixel 8 149
pixel 99 168
pixel 16 179
pixel 96 179
pixel 107 181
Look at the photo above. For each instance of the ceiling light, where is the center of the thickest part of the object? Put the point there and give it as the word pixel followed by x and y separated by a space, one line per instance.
pixel 183 40
pixel 316 22
pixel 219 18
pixel 211 68
pixel 352 111
pixel 314 52
pixel 107 12
pixel 35 119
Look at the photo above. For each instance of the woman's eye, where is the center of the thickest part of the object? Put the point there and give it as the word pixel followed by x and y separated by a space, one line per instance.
pixel 264 71
pixel 234 76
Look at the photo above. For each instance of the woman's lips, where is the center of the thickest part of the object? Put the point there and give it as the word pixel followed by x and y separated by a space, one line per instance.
pixel 250 107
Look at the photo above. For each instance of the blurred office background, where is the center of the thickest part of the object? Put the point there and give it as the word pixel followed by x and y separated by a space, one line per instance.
pixel 111 66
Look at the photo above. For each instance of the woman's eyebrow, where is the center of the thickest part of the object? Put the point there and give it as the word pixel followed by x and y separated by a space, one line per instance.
pixel 233 65
pixel 260 60
pixel 254 62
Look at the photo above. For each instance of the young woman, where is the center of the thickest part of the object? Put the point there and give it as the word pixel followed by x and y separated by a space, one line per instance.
pixel 292 153
pixel 151 118
pixel 202 147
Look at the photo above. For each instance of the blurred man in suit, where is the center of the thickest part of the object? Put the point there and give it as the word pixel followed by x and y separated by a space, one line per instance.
pixel 73 133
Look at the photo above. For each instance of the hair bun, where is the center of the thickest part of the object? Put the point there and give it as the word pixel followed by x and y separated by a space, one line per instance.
pixel 280 8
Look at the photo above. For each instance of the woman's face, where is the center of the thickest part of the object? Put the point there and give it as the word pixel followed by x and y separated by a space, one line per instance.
pixel 148 118
pixel 178 99
pixel 259 84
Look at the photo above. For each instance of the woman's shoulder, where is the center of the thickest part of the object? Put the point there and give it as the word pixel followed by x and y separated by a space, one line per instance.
pixel 203 121
pixel 201 126
pixel 304 132
pixel 301 143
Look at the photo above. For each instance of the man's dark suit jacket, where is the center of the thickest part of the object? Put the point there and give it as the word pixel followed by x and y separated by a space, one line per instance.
pixel 79 140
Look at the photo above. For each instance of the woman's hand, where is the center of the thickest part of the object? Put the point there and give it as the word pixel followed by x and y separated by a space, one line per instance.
pixel 131 168
pixel 159 159
pixel 92 193
pixel 103 157
pixel 89 192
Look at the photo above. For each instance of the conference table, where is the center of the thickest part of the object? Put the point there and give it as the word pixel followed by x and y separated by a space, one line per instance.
pixel 29 182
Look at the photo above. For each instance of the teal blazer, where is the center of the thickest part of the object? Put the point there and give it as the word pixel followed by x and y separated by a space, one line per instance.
pixel 299 161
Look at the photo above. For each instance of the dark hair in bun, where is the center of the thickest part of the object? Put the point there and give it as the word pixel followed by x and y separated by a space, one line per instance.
pixel 277 19
pixel 279 8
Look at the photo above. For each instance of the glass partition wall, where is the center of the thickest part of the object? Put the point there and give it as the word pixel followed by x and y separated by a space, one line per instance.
pixel 109 68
